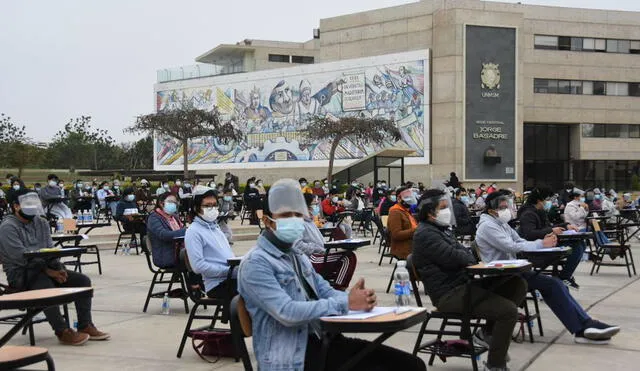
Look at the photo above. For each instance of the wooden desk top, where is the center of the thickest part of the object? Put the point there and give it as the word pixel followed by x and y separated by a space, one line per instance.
pixel 43 298
pixel 386 323
pixel 388 317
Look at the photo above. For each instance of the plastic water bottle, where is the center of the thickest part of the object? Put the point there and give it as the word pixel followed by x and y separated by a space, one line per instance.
pixel 124 247
pixel 59 226
pixel 75 324
pixel 166 306
pixel 127 249
pixel 90 216
pixel 79 218
pixel 402 285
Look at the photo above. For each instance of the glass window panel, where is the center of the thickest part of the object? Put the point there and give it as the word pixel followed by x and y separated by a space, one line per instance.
pixel 612 46
pixel 601 44
pixel 564 43
pixel 612 131
pixel 576 43
pixel 623 46
pixel 599 88
pixel 545 86
pixel 564 87
pixel 634 89
pixel 598 131
pixel 587 87
pixel 634 47
pixel 278 58
pixel 546 42
pixel 618 88
pixel 634 131
pixel 576 87
pixel 588 44
pixel 624 131
pixel 587 130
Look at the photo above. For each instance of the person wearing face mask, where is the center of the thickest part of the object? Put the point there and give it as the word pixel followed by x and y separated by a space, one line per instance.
pixel 208 248
pixel 576 211
pixel 251 200
pixel 130 223
pixel 304 186
pixel 498 241
pixel 106 197
pixel 25 230
pixel 52 199
pixel 480 204
pixel 339 266
pixel 79 199
pixel 379 193
pixel 185 196
pixel 492 188
pixel 16 184
pixel 325 186
pixel 163 225
pixel 175 188
pixel 482 188
pixel 332 206
pixel 117 191
pixel 565 195
pixel 318 190
pixel 144 197
pixel 464 225
pixel 387 202
pixel 535 225
pixel 596 204
pixel 260 187
pixel 286 297
pixel 227 211
pixel 440 260
pixel 164 187
pixel 402 224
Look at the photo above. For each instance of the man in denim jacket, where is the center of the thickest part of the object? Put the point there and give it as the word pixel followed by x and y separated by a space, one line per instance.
pixel 286 297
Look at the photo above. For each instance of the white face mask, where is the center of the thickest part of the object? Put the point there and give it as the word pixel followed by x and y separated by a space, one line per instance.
pixel 334 200
pixel 210 214
pixel 444 217
pixel 53 183
pixel 504 215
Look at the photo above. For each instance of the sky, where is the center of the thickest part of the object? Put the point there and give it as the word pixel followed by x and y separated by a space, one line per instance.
pixel 66 58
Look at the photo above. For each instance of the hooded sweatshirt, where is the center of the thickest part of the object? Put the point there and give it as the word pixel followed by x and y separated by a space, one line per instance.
pixel 498 241
pixel 18 238
pixel 311 241
pixel 208 251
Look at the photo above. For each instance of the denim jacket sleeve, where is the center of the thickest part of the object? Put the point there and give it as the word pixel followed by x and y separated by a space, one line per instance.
pixel 257 282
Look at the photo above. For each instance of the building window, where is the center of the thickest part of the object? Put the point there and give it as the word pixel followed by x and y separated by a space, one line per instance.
pixel 302 59
pixel 588 44
pixel 564 87
pixel 564 43
pixel 546 42
pixel 611 131
pixel 587 130
pixel 598 131
pixel 601 45
pixel 279 58
pixel 545 86
pixel 599 88
pixel 587 87
pixel 634 47
pixel 634 131
pixel 634 89
pixel 618 88
pixel 576 87
pixel 576 43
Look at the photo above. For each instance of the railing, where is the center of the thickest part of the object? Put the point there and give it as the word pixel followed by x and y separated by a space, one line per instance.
pixel 197 71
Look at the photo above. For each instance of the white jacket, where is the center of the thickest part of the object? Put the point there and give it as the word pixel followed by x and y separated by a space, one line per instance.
pixel 575 214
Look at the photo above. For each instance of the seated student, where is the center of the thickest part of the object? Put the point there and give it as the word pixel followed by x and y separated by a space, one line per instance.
pixel 260 187
pixel 464 226
pixel 498 241
pixel 440 261
pixel 102 193
pixel 24 231
pixel 143 196
pixel 304 186
pixel 340 265
pixel 185 196
pixel 331 207
pixel 387 202
pixel 318 190
pixel 129 224
pixel 51 198
pixel 163 225
pixel 207 247
pixel 535 225
pixel 401 224
pixel 286 297
pixel 251 199
pixel 164 187
pixel 576 211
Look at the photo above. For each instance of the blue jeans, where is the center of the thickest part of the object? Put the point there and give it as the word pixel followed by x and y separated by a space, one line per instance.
pixel 578 248
pixel 558 298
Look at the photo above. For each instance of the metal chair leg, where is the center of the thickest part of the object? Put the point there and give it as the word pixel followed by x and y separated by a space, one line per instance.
pixel 153 283
pixel 50 365
pixel 185 334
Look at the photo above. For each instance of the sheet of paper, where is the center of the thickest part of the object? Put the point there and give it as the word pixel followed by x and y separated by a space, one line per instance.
pixel 359 314
pixel 508 263
pixel 570 231
pixel 550 249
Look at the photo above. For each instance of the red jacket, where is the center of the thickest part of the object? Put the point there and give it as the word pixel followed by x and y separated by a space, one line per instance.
pixel 328 208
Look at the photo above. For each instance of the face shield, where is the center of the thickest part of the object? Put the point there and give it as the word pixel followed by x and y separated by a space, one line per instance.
pixel 285 196
pixel 30 204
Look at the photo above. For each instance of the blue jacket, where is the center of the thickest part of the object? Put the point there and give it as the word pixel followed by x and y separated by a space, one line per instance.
pixel 208 251
pixel 162 240
pixel 278 307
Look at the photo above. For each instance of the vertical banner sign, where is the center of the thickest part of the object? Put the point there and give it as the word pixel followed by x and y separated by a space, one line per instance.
pixel 490 103
pixel 353 93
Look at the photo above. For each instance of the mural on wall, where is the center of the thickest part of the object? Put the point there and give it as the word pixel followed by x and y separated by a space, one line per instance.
pixel 274 112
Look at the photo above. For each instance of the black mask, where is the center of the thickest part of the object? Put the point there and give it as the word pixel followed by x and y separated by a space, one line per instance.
pixel 25 216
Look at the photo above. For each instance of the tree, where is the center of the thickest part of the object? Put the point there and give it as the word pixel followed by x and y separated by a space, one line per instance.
pixel 18 150
pixel 79 144
pixel 184 124
pixel 359 130
pixel 139 154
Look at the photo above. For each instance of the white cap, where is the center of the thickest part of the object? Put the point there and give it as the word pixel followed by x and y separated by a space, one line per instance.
pixel 144 181
pixel 200 190
pixel 285 195
pixel 30 204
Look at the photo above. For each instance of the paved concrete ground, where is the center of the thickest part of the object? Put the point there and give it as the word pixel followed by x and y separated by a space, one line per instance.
pixel 143 341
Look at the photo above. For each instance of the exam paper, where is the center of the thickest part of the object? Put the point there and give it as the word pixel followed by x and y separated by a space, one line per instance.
pixel 360 314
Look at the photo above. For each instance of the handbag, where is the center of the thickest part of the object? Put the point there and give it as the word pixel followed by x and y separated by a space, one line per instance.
pixel 210 344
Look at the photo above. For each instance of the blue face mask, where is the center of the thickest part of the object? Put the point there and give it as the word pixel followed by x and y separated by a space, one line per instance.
pixel 315 210
pixel 393 198
pixel 547 205
pixel 170 208
pixel 227 198
pixel 465 199
pixel 582 199
pixel 130 198
pixel 598 197
pixel 289 229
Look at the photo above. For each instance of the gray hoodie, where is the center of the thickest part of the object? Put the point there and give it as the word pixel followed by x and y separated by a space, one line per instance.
pixel 18 238
pixel 311 241
pixel 498 241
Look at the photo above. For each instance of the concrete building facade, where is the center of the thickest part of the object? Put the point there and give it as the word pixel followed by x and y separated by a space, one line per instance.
pixel 577 79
